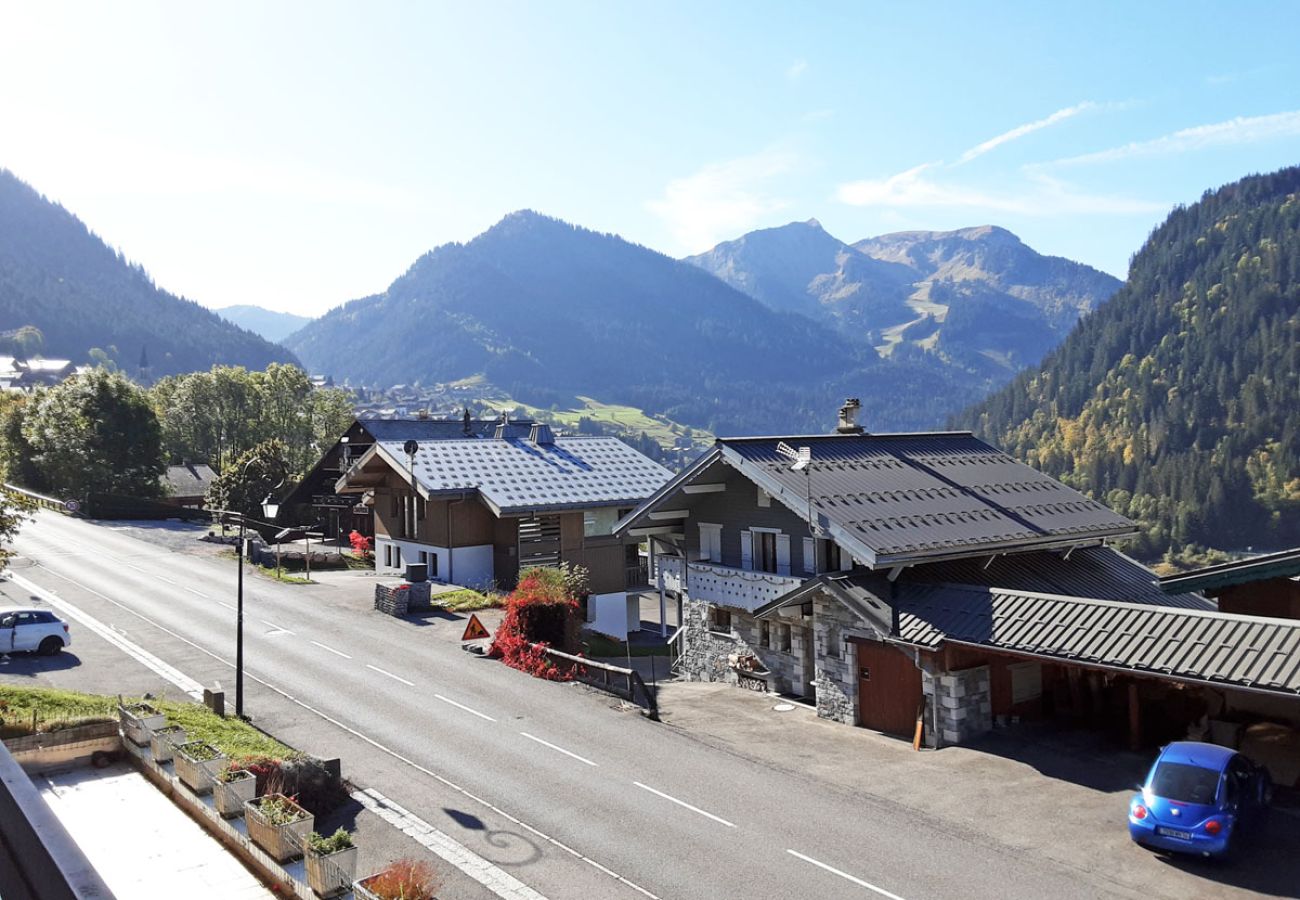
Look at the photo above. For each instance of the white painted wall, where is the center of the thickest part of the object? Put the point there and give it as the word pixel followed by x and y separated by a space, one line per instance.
pixel 468 566
pixel 614 615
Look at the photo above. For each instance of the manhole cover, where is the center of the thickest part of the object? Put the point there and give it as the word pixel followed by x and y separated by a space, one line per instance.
pixel 783 707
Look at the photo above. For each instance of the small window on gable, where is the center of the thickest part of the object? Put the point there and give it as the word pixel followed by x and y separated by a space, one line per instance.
pixel 833 641
pixel 764 634
pixel 783 637
pixel 764 498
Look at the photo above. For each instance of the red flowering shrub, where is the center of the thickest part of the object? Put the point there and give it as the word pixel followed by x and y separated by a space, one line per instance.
pixel 541 612
pixel 361 545
pixel 406 879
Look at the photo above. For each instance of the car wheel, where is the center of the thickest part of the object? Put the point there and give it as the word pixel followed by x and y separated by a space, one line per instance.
pixel 50 646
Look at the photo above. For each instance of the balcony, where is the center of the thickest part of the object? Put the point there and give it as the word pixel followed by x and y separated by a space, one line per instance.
pixel 724 585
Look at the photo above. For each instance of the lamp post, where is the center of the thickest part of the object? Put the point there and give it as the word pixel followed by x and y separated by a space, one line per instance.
pixel 269 509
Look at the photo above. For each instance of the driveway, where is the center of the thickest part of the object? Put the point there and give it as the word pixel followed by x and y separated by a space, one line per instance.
pixel 1044 791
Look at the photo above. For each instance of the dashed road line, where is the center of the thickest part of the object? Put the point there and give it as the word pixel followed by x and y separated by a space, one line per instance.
pixel 447 782
pixel 198 593
pixel 226 605
pixel 582 759
pixel 278 629
pixel 391 675
pixel 845 875
pixel 683 803
pixel 330 649
pixel 464 707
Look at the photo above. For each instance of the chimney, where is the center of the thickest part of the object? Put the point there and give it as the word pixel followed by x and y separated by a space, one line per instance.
pixel 541 434
pixel 422 414
pixel 466 425
pixel 848 423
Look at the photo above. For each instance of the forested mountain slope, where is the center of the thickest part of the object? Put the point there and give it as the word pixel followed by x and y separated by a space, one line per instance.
pixel 56 275
pixel 547 311
pixel 1178 402
pixel 269 323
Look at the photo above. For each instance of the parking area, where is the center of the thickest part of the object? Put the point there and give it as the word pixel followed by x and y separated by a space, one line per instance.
pixel 1053 792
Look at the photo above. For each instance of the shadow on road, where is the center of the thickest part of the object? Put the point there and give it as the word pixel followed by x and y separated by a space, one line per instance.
pixel 1078 756
pixel 520 850
pixel 31 664
pixel 430 616
pixel 1266 862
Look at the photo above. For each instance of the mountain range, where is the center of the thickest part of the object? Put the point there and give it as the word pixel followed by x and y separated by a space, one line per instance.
pixel 58 277
pixel 546 311
pixel 271 324
pixel 977 298
pixel 1177 403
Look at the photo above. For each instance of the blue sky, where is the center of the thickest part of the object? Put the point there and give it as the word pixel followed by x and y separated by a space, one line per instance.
pixel 297 155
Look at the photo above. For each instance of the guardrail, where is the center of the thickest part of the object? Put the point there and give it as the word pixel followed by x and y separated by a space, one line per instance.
pixel 625 683
pixel 40 500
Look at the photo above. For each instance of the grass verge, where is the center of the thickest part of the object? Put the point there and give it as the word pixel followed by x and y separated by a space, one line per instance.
pixel 54 707
pixel 466 600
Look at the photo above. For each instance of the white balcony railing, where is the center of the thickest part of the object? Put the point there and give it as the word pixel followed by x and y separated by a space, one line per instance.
pixel 725 586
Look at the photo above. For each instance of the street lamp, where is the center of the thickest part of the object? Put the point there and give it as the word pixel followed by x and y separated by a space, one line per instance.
pixel 269 509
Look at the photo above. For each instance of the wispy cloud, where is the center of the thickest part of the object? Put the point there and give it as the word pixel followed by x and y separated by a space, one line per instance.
pixel 796 69
pixel 1040 195
pixel 722 199
pixel 1021 130
pixel 1241 130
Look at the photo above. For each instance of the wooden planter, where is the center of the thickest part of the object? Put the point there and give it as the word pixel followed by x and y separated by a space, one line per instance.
pixel 282 842
pixel 196 773
pixel 333 873
pixel 360 891
pixel 163 742
pixel 139 722
pixel 230 796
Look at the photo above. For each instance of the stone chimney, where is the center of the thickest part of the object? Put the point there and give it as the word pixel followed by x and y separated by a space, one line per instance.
pixel 848 423
pixel 541 434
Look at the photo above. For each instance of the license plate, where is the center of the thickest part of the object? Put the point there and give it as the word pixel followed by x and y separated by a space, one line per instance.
pixel 1174 833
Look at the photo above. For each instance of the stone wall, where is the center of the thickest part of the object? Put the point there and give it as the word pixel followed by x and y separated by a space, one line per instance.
pixel 962 702
pixel 707 655
pixel 836 660
pixel 401 598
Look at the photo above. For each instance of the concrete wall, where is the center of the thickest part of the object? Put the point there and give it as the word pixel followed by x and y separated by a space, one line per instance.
pixel 467 566
pixel 614 614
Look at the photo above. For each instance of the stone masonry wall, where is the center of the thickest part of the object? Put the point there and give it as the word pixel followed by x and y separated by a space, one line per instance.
pixel 706 655
pixel 836 660
pixel 400 598
pixel 962 701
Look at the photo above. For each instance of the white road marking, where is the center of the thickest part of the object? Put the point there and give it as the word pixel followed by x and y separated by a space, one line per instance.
pixel 130 648
pixel 161 578
pixel 391 675
pixel 846 876
pixel 277 628
pixel 330 649
pixel 464 707
pixel 695 809
pixel 197 593
pixel 498 881
pixel 514 820
pixel 559 749
pixel 226 605
pixel 129 566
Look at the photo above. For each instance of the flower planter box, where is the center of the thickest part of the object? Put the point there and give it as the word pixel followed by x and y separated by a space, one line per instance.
pixel 361 889
pixel 197 766
pixel 282 841
pixel 230 796
pixel 333 873
pixel 139 721
pixel 163 742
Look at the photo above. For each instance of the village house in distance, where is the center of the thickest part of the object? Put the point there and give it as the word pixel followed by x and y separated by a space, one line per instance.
pixel 477 511
pixel 929 583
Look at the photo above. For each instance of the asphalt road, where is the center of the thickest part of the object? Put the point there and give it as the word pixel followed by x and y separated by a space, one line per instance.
pixel 552 783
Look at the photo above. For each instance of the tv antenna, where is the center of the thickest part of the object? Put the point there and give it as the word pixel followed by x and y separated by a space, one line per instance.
pixel 801 461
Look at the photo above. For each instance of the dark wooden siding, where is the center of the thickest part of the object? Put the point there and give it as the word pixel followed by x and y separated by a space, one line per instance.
pixel 737 510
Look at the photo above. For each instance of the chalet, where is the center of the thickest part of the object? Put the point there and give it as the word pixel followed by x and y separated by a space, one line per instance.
pixel 19 374
pixel 186 484
pixel 1267 585
pixel 477 511
pixel 314 500
pixel 899 581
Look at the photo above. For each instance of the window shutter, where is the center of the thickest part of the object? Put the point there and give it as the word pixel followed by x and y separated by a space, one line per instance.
pixel 746 551
pixel 783 554
pixel 809 556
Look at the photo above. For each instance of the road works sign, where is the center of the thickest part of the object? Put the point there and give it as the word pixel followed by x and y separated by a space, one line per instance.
pixel 474 630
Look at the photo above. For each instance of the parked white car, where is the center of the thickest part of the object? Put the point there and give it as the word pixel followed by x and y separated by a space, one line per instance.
pixel 32 631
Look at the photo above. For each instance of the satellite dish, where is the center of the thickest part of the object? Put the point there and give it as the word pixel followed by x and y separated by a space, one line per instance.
pixel 411 448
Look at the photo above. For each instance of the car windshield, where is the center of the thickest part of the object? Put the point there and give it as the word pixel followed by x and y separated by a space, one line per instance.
pixel 1185 783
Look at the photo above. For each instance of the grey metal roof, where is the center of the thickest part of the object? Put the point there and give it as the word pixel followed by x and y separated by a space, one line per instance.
pixel 515 475
pixel 1285 564
pixel 188 480
pixel 1101 573
pixel 1242 651
pixel 909 497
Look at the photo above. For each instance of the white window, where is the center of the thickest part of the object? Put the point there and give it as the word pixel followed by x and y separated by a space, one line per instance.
pixel 388 556
pixel 809 559
pixel 710 542
pixel 764 498
pixel 397 556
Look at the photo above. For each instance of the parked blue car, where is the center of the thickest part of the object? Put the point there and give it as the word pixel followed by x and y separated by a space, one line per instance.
pixel 1197 798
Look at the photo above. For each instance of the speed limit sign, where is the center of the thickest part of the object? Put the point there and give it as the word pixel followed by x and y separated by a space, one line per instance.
pixel 71 505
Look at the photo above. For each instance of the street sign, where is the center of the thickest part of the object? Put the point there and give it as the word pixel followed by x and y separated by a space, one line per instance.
pixel 333 501
pixel 474 630
pixel 71 505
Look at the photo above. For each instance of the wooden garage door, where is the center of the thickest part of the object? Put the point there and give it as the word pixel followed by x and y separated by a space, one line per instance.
pixel 889 689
